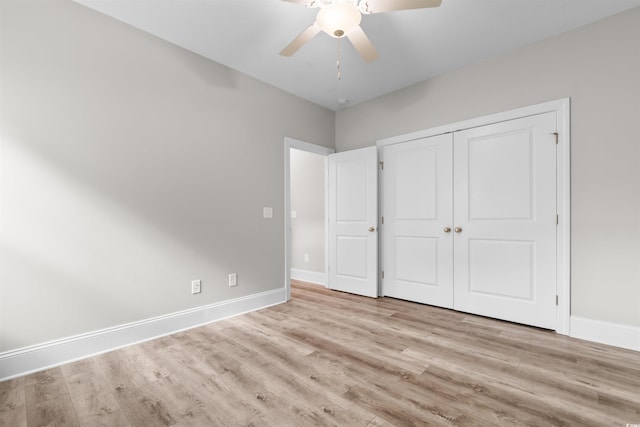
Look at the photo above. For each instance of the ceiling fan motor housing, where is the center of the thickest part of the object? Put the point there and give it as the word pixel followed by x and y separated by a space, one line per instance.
pixel 338 19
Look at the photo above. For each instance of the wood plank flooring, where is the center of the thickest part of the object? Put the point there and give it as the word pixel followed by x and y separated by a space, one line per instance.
pixel 330 358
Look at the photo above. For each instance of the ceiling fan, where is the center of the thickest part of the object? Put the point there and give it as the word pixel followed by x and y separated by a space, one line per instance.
pixel 341 18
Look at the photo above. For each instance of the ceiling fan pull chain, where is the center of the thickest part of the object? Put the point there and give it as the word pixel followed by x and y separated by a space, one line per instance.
pixel 338 61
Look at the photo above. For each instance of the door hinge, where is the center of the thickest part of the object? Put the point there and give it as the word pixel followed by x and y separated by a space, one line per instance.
pixel 383 274
pixel 557 219
pixel 382 165
pixel 382 220
pixel 556 299
pixel 556 135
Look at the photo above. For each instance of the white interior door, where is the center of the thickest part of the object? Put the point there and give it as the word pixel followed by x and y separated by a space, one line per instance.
pixel 418 220
pixel 505 220
pixel 353 221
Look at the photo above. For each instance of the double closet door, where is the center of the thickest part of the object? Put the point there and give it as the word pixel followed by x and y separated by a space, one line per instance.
pixel 470 220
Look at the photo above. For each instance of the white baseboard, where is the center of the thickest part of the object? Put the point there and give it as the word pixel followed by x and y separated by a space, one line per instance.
pixel 309 276
pixel 35 358
pixel 606 333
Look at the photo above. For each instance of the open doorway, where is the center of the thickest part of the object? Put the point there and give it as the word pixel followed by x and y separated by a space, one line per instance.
pixel 306 218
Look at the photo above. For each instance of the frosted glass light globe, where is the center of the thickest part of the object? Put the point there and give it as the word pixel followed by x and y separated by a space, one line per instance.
pixel 338 19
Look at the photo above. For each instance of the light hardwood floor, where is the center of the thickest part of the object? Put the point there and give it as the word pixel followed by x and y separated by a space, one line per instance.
pixel 329 358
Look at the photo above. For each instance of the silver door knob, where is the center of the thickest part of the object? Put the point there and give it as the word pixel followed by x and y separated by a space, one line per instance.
pixel 372 229
pixel 447 229
pixel 458 230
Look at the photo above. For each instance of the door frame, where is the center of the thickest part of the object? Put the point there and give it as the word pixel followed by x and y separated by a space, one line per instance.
pixel 290 143
pixel 562 108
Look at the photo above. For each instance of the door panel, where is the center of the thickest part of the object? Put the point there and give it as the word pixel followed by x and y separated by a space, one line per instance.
pixel 500 176
pixel 514 261
pixel 349 260
pixel 417 253
pixel 353 211
pixel 505 208
pixel 413 258
pixel 351 189
pixel 415 174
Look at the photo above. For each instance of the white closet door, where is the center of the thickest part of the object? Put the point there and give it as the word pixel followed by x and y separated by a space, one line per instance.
pixel 505 219
pixel 353 220
pixel 417 209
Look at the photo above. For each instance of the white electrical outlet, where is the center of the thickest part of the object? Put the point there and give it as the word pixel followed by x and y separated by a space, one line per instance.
pixel 306 257
pixel 233 279
pixel 196 286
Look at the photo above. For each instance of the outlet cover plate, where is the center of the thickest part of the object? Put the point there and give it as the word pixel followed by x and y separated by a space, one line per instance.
pixel 196 286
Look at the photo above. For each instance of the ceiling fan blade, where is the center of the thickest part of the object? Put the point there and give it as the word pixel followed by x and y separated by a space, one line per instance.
pixel 378 6
pixel 362 44
pixel 301 40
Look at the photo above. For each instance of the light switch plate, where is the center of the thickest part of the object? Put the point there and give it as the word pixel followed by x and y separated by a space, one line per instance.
pixel 267 212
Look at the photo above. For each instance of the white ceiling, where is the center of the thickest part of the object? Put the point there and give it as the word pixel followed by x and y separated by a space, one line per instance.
pixel 414 45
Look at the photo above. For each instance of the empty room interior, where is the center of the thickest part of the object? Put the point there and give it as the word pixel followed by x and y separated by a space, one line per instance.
pixel 319 212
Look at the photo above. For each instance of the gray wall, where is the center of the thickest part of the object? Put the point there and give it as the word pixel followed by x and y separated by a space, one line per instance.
pixel 130 167
pixel 598 66
pixel 308 231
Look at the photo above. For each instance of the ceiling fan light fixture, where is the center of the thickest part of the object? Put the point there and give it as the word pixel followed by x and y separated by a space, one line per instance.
pixel 338 19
